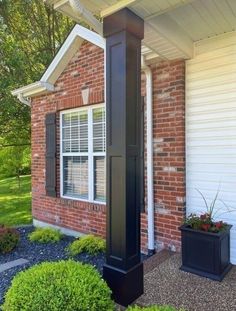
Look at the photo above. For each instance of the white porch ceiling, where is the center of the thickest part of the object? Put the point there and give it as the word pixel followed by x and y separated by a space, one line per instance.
pixel 171 26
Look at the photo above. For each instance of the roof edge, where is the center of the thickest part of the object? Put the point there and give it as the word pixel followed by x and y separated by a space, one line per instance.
pixel 77 32
pixel 33 89
pixel 60 61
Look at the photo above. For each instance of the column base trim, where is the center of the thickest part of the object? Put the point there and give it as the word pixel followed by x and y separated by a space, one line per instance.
pixel 126 286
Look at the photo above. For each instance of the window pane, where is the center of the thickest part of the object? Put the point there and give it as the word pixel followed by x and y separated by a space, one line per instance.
pixel 66 146
pixel 66 119
pixel 75 145
pixel 83 138
pixel 66 133
pixel 75 131
pixel 99 133
pixel 74 118
pixel 99 179
pixel 83 118
pixel 75 173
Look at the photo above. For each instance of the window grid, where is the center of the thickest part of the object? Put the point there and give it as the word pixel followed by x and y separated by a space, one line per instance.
pixel 68 128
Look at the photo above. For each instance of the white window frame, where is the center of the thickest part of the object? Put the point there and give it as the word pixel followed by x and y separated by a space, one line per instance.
pixel 91 155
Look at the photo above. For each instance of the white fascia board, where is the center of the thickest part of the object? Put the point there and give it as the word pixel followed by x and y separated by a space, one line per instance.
pixel 70 46
pixel 88 16
pixel 90 36
pixel 33 89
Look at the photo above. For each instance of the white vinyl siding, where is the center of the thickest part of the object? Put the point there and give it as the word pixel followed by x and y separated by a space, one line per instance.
pixel 83 154
pixel 211 127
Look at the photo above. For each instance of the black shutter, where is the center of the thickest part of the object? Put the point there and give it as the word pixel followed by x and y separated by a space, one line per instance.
pixel 50 124
pixel 142 180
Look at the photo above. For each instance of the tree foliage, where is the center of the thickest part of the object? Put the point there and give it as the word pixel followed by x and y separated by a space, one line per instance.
pixel 30 34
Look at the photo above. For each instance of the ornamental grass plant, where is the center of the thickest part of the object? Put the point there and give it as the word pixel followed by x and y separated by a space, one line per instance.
pixel 206 221
pixel 87 244
pixel 45 235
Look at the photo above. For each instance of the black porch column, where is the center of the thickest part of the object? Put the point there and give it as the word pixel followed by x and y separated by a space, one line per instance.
pixel 123 271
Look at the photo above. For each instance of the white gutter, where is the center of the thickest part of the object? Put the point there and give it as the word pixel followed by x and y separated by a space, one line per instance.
pixel 150 196
pixel 23 100
pixel 78 7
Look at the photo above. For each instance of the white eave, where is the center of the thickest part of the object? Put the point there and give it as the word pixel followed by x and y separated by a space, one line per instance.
pixel 171 30
pixel 171 26
pixel 59 63
pixel 32 89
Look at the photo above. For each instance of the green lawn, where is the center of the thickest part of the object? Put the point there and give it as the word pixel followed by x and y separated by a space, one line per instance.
pixel 15 203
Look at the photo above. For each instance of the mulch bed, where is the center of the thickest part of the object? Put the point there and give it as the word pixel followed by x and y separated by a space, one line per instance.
pixel 36 253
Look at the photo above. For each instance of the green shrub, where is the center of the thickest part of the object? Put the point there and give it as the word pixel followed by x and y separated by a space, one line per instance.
pixel 55 286
pixel 87 244
pixel 9 238
pixel 153 308
pixel 45 235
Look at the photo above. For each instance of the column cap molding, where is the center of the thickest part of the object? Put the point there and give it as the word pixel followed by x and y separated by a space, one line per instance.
pixel 123 20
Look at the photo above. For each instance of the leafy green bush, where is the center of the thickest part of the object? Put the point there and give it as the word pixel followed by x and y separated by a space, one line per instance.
pixel 87 244
pixel 45 235
pixel 153 308
pixel 64 285
pixel 9 238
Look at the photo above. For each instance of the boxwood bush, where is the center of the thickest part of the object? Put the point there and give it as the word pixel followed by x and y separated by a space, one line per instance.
pixel 153 308
pixel 45 235
pixel 9 238
pixel 63 285
pixel 87 244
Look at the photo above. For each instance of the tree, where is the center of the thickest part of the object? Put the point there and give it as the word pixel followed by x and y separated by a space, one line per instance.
pixel 15 161
pixel 30 34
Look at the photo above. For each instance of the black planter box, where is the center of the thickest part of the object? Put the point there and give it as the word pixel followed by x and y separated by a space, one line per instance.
pixel 206 254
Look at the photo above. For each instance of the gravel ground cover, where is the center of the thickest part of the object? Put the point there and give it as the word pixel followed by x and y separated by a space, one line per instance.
pixel 166 284
pixel 36 253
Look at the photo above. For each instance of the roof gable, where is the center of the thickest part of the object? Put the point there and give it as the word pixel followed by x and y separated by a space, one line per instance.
pixel 68 49
pixel 60 61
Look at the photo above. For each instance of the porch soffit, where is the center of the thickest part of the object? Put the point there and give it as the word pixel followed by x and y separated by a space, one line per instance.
pixel 171 26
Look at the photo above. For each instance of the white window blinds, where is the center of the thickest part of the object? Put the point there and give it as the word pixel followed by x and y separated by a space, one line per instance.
pixel 83 141
pixel 99 144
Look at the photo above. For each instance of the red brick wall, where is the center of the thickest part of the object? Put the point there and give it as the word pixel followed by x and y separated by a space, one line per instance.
pixel 169 153
pixel 86 70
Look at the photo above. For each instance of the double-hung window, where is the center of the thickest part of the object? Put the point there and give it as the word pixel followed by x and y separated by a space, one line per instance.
pixel 83 144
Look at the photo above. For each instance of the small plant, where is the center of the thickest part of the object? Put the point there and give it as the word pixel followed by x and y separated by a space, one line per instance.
pixel 45 235
pixel 87 244
pixel 63 285
pixel 9 238
pixel 153 308
pixel 205 221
